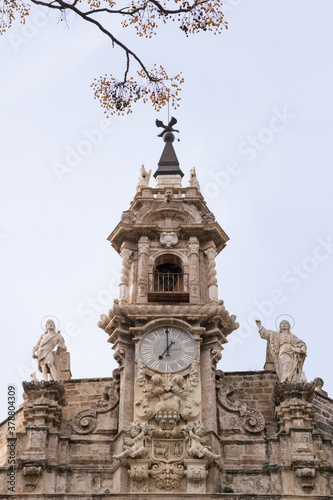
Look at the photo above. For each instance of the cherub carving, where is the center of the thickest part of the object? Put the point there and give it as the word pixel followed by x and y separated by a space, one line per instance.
pixel 135 443
pixel 198 438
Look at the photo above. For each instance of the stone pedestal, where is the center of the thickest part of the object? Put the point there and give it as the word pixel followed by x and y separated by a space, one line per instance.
pixel 42 415
pixel 295 416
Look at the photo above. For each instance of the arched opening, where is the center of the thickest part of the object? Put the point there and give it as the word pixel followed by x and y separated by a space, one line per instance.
pixel 168 283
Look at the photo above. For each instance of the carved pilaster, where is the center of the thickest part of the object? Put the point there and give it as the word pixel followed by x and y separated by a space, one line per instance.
pixel 143 251
pixel 127 256
pixel 193 252
pixel 211 254
pixel 125 355
pixel 208 383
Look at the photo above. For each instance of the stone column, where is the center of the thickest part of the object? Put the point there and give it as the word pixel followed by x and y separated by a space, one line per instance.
pixel 126 255
pixel 193 253
pixel 143 251
pixel 211 254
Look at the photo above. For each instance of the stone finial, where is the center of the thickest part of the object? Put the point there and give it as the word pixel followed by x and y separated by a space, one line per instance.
pixel 53 364
pixel 193 181
pixel 287 351
pixel 143 179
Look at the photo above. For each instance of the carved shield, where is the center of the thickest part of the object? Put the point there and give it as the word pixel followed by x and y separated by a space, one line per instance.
pixel 168 450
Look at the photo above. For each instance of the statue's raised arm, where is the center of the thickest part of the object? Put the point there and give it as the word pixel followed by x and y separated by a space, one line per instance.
pixel 287 351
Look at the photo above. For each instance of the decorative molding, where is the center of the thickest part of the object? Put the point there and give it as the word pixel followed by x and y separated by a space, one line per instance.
pixel 294 391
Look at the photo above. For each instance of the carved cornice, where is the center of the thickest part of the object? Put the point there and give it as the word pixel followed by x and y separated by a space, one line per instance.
pixel 212 316
pixel 294 391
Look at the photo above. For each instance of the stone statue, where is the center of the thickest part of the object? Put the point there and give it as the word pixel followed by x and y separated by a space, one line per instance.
pixel 49 360
pixel 193 181
pixel 198 448
pixel 288 352
pixel 143 179
pixel 135 443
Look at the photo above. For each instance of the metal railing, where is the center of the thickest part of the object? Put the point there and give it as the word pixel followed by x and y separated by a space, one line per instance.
pixel 168 282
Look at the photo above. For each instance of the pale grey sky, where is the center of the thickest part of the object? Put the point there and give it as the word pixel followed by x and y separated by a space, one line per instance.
pixel 255 121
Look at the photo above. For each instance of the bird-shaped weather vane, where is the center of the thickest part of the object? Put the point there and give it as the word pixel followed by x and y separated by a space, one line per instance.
pixel 167 128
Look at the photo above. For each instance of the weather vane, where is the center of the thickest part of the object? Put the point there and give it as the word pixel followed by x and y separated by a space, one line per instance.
pixel 167 128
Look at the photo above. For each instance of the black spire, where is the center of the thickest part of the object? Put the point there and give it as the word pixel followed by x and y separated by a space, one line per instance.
pixel 168 164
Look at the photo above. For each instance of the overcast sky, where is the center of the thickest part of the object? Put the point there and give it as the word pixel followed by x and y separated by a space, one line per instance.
pixel 256 122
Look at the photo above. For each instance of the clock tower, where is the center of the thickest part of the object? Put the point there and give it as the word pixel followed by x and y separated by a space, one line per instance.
pixel 167 329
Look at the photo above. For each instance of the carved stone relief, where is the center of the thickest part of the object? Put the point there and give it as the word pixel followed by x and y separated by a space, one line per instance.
pixel 127 216
pixel 250 419
pixel 168 239
pixel 167 392
pixel 196 473
pixel 167 433
pixel 306 477
pixel 167 476
pixel 31 475
pixel 139 472
pixel 142 286
pixel 85 421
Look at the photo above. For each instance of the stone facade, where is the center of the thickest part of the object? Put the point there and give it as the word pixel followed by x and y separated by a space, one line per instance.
pixel 169 423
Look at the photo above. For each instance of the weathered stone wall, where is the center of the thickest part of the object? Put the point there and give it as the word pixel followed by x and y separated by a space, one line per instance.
pixel 4 434
pixel 82 393
pixel 323 406
pixel 256 390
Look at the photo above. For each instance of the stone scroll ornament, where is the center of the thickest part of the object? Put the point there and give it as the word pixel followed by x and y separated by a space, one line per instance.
pixel 251 420
pixel 85 421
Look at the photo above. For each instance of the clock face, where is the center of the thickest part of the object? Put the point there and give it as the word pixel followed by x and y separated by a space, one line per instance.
pixel 167 349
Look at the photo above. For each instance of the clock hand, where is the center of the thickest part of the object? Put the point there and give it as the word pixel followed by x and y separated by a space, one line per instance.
pixel 165 350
